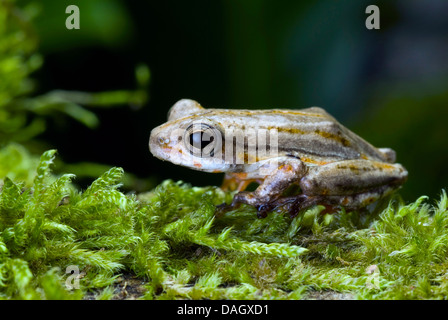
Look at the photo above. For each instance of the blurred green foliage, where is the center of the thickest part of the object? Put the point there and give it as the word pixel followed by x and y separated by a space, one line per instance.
pixel 412 118
pixel 104 23
pixel 17 163
pixel 23 116
pixel 18 59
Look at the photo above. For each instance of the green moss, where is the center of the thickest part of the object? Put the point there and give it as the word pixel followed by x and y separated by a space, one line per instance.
pixel 170 239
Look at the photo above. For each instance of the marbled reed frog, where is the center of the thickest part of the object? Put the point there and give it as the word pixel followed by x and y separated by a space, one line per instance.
pixel 308 148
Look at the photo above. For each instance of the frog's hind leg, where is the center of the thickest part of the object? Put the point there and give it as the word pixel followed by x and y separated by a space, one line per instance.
pixel 331 203
pixel 352 184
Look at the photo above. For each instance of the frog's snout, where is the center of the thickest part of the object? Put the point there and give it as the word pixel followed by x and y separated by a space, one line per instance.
pixel 164 143
pixel 157 143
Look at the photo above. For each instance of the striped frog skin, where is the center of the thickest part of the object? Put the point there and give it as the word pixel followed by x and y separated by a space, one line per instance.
pixel 308 148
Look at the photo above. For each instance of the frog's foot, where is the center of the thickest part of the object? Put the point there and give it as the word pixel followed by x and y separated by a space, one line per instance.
pixel 238 199
pixel 294 204
pixel 245 198
pixel 264 209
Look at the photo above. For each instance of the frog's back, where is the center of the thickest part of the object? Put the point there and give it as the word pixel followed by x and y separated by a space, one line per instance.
pixel 311 134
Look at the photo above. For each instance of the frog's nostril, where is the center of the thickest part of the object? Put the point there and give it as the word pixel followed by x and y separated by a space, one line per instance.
pixel 162 140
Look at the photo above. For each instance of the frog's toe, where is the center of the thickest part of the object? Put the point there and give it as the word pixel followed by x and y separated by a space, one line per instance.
pixel 304 202
pixel 263 210
pixel 261 214
pixel 224 208
pixel 294 204
pixel 295 208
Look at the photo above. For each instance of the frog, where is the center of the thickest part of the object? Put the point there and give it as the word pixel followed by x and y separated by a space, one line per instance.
pixel 306 150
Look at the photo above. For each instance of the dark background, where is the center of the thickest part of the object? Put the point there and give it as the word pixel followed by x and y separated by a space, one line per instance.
pixel 387 85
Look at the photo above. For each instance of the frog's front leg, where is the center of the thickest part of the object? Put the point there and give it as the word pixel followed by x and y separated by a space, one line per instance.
pixel 287 172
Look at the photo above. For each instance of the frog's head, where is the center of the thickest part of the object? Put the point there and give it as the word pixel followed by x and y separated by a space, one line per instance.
pixel 189 138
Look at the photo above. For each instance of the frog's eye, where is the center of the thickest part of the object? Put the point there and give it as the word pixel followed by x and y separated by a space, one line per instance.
pixel 201 139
